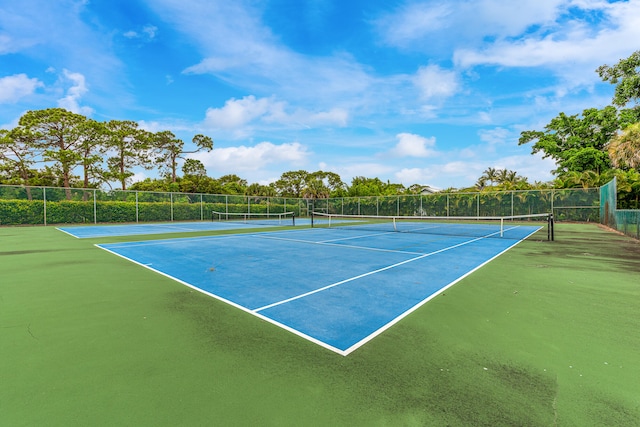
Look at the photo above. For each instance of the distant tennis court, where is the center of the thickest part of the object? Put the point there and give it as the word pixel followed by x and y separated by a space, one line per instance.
pixel 336 288
pixel 220 221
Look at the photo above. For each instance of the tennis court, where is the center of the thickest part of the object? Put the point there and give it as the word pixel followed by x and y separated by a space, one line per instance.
pixel 334 287
pixel 228 222
pixel 544 334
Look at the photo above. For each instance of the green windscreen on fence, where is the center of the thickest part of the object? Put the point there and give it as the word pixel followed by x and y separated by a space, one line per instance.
pixel 574 204
pixel 608 197
pixel 626 221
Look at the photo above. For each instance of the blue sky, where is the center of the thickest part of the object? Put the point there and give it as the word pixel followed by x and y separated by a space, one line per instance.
pixel 414 92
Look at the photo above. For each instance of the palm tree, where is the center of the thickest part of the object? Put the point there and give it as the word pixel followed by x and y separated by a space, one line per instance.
pixel 492 175
pixel 508 179
pixel 590 179
pixel 624 148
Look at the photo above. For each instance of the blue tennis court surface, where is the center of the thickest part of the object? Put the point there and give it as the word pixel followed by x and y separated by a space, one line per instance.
pixel 93 231
pixel 338 289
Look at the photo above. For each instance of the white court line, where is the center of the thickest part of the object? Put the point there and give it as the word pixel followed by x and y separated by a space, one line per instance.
pixel 65 231
pixel 289 328
pixel 231 303
pixel 333 285
pixel 430 297
pixel 170 240
pixel 355 237
pixel 311 242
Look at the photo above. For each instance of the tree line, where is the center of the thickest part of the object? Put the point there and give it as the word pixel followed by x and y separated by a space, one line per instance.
pixel 588 148
pixel 103 152
pixel 107 152
pixel 592 147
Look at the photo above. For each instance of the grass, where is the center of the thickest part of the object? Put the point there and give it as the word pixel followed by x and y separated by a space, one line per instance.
pixel 545 335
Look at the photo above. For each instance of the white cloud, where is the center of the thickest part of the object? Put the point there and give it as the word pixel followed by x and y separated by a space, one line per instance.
pixel 465 170
pixel 413 21
pixel 494 136
pixel 77 90
pixel 244 158
pixel 6 44
pixel 417 24
pixel 13 88
pixel 411 145
pixel 240 49
pixel 534 167
pixel 238 114
pixel 148 32
pixel 453 174
pixel 507 19
pixel 564 39
pixel 409 176
pixel 335 116
pixel 356 167
pixel 154 126
pixel 434 82
pixel 569 37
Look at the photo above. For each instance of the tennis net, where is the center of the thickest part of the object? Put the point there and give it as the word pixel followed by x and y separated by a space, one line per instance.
pixel 275 219
pixel 510 227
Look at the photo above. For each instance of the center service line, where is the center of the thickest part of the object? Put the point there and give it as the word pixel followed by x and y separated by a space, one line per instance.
pixel 364 275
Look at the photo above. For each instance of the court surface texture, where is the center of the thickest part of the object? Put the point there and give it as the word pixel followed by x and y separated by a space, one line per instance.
pixel 336 288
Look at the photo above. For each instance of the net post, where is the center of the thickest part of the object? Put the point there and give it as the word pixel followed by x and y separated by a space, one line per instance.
pixel 550 231
pixel 293 219
pixel 311 219
pixel 501 227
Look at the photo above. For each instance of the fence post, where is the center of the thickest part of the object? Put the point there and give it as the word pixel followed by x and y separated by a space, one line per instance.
pixel 95 208
pixel 512 209
pixel 44 200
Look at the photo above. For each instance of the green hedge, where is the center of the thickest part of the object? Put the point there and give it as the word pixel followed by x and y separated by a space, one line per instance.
pixel 572 208
pixel 16 212
pixel 23 212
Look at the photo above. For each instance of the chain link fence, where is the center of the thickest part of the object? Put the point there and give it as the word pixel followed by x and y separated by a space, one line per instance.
pixel 566 204
pixel 51 205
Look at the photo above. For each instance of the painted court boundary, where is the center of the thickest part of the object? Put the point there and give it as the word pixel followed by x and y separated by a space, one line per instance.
pixel 141 229
pixel 257 311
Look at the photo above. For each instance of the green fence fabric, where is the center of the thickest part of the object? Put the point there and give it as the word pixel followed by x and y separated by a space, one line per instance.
pixel 566 205
pixel 608 203
pixel 626 221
